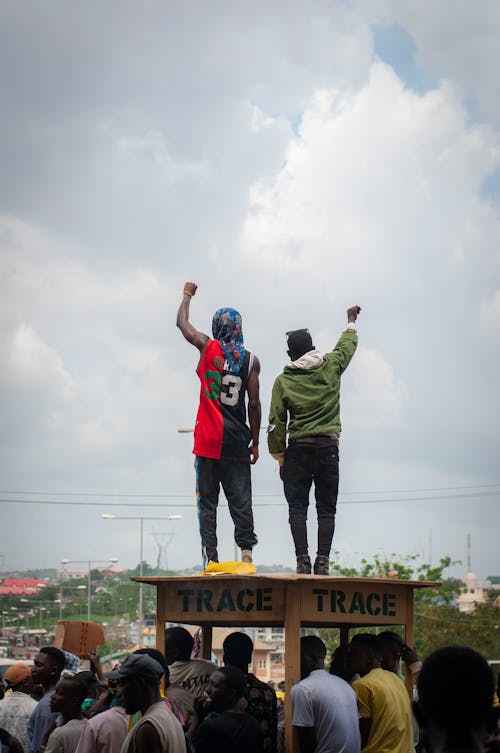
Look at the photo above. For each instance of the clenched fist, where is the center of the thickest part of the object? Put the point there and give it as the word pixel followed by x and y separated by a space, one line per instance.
pixel 352 313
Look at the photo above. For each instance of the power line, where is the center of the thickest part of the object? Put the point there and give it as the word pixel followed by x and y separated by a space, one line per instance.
pixel 256 494
pixel 281 503
pixel 431 489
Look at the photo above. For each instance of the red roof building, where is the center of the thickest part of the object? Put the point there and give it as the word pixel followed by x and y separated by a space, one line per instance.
pixel 20 586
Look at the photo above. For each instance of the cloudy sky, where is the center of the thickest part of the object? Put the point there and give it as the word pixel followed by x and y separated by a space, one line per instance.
pixel 294 159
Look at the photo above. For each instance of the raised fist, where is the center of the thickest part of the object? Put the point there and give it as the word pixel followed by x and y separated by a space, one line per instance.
pixel 190 288
pixel 352 313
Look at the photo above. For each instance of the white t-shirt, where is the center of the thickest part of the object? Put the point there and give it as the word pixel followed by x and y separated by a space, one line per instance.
pixel 327 703
pixel 192 675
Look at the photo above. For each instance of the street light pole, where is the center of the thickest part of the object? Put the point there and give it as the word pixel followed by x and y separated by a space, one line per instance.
pixel 89 563
pixel 89 592
pixel 141 571
pixel 110 516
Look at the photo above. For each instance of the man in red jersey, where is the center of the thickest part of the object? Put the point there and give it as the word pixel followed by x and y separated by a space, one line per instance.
pixel 224 445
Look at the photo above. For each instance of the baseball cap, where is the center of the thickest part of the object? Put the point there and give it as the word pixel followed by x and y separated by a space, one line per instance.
pixel 137 665
pixel 17 673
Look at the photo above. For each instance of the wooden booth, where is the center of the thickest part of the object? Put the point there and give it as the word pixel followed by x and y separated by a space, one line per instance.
pixel 292 601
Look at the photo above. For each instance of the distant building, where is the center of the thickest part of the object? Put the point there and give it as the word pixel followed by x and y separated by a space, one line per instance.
pixel 111 572
pixel 475 593
pixel 274 638
pixel 21 586
pixel 72 573
pixel 494 581
pixel 77 573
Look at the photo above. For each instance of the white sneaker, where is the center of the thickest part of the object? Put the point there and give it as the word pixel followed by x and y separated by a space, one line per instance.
pixel 246 555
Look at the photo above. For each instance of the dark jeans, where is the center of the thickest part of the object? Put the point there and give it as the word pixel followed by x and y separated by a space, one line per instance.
pixel 234 475
pixel 305 463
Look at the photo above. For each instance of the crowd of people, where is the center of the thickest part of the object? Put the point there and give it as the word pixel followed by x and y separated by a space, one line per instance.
pixel 174 703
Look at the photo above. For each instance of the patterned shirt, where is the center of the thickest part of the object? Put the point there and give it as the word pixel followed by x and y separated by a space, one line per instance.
pixel 15 712
pixel 261 704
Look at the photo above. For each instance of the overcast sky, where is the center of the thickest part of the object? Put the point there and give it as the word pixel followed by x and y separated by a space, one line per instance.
pixel 294 159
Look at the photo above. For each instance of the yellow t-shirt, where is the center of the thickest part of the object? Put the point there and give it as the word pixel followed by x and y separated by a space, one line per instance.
pixel 382 697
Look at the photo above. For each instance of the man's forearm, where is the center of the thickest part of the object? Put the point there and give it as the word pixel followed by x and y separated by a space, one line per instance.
pixel 198 339
pixel 254 419
pixel 183 312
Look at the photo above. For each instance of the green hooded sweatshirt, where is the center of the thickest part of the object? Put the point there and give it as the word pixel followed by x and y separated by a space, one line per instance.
pixel 309 398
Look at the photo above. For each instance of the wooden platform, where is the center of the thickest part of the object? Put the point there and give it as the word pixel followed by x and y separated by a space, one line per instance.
pixel 292 601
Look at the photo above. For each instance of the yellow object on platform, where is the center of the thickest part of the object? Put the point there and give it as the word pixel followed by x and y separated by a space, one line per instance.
pixel 229 568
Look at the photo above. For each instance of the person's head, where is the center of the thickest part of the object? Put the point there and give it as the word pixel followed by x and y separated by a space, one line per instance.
pixel 47 666
pixel 225 688
pixel 227 325
pixel 364 654
pixel 237 651
pixel 68 697
pixel 338 664
pixel 90 681
pixel 392 647
pixel 312 654
pixel 455 693
pixel 178 644
pixel 299 341
pixel 157 655
pixel 18 679
pixel 137 681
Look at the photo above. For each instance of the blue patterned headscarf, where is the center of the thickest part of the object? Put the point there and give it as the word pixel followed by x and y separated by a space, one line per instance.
pixel 226 328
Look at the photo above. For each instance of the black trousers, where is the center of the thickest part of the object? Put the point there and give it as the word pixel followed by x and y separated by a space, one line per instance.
pixel 234 476
pixel 305 463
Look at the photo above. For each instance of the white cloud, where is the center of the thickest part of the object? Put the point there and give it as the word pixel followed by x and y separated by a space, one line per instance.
pixel 373 396
pixel 375 179
pixel 31 360
pixel 457 41
pixel 490 313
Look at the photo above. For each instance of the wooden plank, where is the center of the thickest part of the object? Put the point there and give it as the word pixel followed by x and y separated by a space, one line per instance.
pixel 206 642
pixel 362 602
pixel 161 617
pixel 409 636
pixel 344 635
pixel 292 658
pixel 229 601
pixel 160 622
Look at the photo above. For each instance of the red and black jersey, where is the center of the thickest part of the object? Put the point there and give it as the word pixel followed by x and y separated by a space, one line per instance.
pixel 221 429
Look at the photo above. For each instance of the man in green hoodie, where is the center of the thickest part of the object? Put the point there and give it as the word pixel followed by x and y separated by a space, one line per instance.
pixel 306 403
